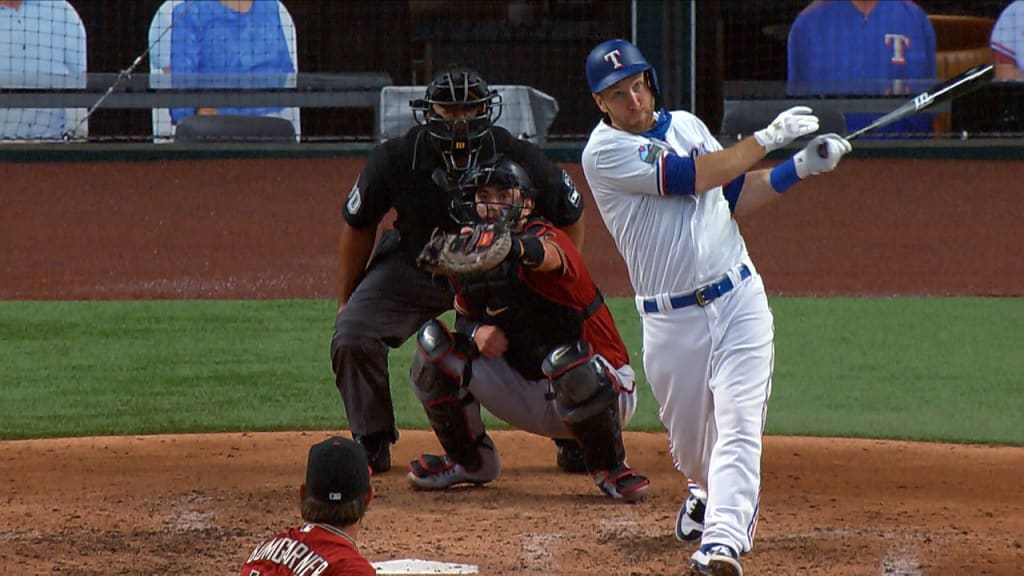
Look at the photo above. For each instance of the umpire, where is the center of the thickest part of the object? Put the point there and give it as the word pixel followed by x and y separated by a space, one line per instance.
pixel 383 300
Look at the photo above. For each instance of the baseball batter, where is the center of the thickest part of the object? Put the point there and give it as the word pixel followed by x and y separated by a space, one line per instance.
pixel 667 192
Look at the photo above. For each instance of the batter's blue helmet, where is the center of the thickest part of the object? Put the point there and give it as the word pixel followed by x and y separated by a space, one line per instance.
pixel 613 60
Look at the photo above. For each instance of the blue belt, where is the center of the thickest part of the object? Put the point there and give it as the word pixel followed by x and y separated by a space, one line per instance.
pixel 701 297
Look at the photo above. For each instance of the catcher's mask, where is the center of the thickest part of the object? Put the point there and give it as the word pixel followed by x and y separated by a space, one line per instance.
pixel 459 136
pixel 499 174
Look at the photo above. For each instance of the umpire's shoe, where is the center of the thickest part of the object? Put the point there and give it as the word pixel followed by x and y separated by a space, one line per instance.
pixel 570 456
pixel 378 450
pixel 690 521
pixel 622 483
pixel 432 472
pixel 715 560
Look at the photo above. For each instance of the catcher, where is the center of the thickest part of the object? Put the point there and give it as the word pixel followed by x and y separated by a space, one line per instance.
pixel 533 342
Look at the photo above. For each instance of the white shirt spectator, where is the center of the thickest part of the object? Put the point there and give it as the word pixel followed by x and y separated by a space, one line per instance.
pixel 1008 42
pixel 42 45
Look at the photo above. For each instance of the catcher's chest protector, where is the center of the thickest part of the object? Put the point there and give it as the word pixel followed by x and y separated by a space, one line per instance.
pixel 533 324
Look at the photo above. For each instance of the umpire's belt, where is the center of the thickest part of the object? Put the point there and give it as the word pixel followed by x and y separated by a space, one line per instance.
pixel 702 297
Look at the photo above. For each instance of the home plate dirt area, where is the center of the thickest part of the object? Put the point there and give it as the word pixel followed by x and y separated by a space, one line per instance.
pixel 198 504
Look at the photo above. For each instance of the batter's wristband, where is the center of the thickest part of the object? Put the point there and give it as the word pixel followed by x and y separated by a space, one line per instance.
pixel 784 176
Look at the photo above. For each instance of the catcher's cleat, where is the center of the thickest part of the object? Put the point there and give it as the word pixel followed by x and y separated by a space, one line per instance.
pixel 622 483
pixel 432 472
pixel 570 456
pixel 378 451
pixel 690 521
pixel 715 560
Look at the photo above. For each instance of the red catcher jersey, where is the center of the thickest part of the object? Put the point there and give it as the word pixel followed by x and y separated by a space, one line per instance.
pixel 575 288
pixel 308 550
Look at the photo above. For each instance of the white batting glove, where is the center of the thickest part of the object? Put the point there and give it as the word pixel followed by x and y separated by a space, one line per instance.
pixel 788 126
pixel 822 154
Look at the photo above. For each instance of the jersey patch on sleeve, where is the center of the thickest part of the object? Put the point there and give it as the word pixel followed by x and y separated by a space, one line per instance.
pixel 651 151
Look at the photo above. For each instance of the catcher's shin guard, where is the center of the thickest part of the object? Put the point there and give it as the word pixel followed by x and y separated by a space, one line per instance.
pixel 605 456
pixel 587 401
pixel 439 373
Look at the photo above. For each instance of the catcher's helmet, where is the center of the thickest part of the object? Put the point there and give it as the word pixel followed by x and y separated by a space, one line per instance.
pixel 458 139
pixel 613 60
pixel 500 173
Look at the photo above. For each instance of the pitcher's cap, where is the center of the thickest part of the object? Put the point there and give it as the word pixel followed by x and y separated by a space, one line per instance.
pixel 337 471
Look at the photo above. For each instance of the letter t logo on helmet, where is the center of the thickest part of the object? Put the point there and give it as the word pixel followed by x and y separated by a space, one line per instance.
pixel 613 57
pixel 625 60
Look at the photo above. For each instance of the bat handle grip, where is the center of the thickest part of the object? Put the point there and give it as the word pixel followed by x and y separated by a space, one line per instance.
pixel 823 150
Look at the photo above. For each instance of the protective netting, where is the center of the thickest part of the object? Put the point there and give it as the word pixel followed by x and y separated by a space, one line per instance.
pixel 134 70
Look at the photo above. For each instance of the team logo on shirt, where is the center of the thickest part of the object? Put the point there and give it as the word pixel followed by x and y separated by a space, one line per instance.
pixel 651 151
pixel 355 199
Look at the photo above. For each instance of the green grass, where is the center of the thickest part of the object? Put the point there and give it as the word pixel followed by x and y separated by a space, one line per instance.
pixel 915 368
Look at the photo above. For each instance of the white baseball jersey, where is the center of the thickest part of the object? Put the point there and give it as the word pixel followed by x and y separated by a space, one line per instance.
pixel 1008 33
pixel 709 366
pixel 671 244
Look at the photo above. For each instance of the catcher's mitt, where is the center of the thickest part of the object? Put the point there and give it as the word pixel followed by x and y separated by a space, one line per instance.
pixel 477 249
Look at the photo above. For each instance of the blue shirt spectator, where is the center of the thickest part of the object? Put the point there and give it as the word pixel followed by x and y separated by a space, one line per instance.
pixel 228 44
pixel 42 45
pixel 863 47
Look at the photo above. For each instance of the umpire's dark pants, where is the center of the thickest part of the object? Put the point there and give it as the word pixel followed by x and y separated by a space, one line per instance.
pixel 390 303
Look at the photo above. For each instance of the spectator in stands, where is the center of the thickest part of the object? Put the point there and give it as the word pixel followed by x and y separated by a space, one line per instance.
pixel 42 45
pixel 1008 42
pixel 861 47
pixel 228 44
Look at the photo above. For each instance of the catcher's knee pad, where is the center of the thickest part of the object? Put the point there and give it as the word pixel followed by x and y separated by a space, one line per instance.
pixel 442 362
pixel 583 387
pixel 586 399
pixel 438 373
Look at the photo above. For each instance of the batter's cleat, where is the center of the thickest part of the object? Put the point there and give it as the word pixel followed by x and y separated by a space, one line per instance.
pixel 378 450
pixel 622 483
pixel 432 472
pixel 690 521
pixel 715 560
pixel 570 456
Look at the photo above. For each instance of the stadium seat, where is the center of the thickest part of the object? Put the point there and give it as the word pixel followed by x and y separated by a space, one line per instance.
pixel 961 42
pixel 225 128
pixel 742 118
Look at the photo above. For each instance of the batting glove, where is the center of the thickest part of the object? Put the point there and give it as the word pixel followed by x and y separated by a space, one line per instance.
pixel 788 126
pixel 810 161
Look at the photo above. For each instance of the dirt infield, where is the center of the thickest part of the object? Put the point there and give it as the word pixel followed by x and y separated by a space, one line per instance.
pixel 197 504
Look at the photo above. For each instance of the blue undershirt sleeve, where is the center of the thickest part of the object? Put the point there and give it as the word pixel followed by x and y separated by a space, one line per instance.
pixel 679 175
pixel 732 191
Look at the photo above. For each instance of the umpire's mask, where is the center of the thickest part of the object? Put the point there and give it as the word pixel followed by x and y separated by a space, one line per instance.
pixel 458 110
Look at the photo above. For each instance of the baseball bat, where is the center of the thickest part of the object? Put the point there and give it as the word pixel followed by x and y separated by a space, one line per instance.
pixel 945 91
